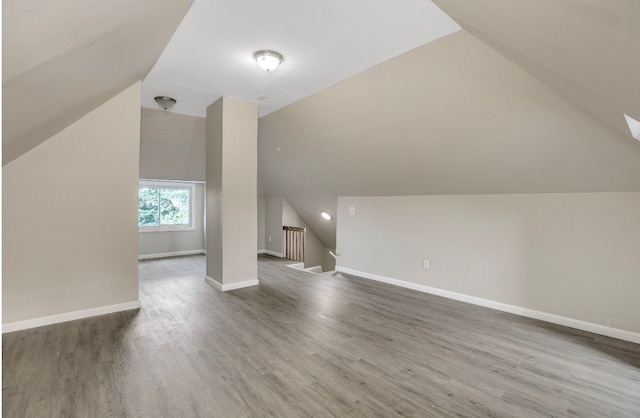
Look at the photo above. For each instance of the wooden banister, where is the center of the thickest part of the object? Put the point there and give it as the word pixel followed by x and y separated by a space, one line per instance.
pixel 295 240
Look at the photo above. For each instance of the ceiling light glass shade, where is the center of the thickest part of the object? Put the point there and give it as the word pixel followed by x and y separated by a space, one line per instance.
pixel 164 101
pixel 268 60
pixel 326 216
pixel 634 126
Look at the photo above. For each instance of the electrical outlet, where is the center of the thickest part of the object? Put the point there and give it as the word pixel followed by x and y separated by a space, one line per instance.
pixel 352 210
pixel 269 239
pixel 425 263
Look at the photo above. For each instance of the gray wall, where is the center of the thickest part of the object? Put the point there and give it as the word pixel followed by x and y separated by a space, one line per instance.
pixel 316 253
pixel 173 147
pixel 261 223
pixel 278 213
pixel 70 233
pixel 456 118
pixel 273 225
pixel 231 192
pixel 574 255
pixel 213 191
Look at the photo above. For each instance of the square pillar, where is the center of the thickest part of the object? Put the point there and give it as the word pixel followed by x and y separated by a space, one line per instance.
pixel 231 193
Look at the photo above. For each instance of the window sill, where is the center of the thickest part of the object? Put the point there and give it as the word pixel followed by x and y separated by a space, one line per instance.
pixel 166 229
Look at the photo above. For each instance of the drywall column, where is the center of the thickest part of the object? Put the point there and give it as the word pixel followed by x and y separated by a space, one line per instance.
pixel 231 196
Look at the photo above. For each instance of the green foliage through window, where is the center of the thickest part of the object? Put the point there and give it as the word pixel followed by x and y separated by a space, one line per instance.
pixel 163 206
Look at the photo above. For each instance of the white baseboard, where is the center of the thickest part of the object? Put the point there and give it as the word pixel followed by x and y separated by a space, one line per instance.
pixel 69 316
pixel 518 310
pixel 273 253
pixel 231 286
pixel 172 254
pixel 300 266
pixel 261 251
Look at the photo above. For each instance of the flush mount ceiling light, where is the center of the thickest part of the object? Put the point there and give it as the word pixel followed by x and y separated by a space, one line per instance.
pixel 634 126
pixel 164 101
pixel 326 215
pixel 268 60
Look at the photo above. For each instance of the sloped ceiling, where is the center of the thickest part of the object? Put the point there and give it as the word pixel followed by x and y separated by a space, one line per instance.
pixel 586 50
pixel 451 117
pixel 529 98
pixel 211 53
pixel 62 59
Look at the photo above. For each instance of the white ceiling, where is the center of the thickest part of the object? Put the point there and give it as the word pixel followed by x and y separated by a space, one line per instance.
pixel 211 52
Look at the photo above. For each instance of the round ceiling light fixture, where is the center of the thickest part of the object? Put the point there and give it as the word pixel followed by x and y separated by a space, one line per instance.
pixel 326 215
pixel 268 60
pixel 164 101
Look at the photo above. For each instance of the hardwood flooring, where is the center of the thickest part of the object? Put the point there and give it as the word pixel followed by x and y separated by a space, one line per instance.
pixel 311 345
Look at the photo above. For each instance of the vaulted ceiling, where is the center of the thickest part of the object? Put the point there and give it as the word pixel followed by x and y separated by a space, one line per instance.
pixel 586 50
pixel 531 97
pixel 62 59
pixel 451 117
pixel 528 98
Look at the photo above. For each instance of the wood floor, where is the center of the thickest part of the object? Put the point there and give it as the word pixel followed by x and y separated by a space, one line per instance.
pixel 311 345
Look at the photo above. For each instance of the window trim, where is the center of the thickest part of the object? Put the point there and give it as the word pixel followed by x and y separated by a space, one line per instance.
pixel 159 184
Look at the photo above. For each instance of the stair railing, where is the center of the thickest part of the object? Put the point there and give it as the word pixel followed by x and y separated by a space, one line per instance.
pixel 295 242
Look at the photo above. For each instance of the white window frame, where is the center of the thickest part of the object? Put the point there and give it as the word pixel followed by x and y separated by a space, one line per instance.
pixel 172 185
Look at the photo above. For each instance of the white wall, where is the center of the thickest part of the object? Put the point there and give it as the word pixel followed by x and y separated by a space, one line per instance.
pixel 170 242
pixel 173 147
pixel 70 233
pixel 575 255
pixel 316 253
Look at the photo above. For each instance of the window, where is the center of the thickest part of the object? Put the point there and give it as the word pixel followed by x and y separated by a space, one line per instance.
pixel 165 206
